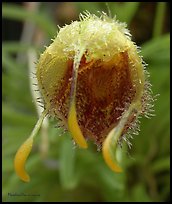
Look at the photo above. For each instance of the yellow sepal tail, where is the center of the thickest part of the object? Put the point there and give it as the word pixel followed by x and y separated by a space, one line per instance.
pixel 74 127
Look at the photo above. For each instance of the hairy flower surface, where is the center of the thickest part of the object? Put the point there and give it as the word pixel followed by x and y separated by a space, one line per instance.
pixel 92 79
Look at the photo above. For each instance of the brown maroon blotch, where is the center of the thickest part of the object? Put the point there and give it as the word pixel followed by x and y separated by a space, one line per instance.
pixel 103 90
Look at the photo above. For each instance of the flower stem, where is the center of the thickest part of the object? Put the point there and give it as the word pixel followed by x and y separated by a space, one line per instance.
pixel 159 18
pixel 38 124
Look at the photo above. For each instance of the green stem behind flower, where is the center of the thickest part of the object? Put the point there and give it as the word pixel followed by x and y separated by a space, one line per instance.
pixel 159 18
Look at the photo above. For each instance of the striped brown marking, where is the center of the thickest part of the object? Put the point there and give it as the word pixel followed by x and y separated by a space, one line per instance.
pixel 102 87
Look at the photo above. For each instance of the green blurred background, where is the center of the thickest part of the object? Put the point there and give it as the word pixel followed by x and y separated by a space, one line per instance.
pixel 61 172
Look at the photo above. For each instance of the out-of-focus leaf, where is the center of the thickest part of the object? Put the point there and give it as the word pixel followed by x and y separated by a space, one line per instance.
pixel 14 117
pixel 19 13
pixel 157 50
pixel 13 47
pixel 111 182
pixel 161 165
pixel 94 7
pixel 119 9
pixel 15 81
pixel 67 162
pixel 159 19
pixel 139 194
pixel 115 8
pixel 11 65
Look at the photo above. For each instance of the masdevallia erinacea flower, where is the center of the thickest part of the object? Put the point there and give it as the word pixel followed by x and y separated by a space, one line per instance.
pixel 92 78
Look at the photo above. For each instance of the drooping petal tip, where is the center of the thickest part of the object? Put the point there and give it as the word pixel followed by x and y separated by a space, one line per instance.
pixel 74 127
pixel 25 149
pixel 20 159
pixel 109 152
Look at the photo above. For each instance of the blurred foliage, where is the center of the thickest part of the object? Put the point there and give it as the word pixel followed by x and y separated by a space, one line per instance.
pixel 72 174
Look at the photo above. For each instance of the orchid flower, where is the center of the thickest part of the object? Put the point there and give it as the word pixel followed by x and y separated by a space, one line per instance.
pixel 91 78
